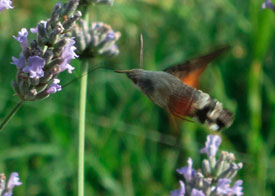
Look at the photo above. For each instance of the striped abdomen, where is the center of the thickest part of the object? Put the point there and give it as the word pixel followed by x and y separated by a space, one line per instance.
pixel 194 103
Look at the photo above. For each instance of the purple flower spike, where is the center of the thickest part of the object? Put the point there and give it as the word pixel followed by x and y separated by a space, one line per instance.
pixel 196 192
pixel 188 172
pixel 180 191
pixel 5 4
pixel 237 188
pixel 268 5
pixel 223 186
pixel 13 181
pixel 54 87
pixel 22 38
pixel 67 55
pixel 35 67
pixel 212 145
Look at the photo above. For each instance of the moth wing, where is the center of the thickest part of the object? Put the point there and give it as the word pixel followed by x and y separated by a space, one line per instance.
pixel 189 72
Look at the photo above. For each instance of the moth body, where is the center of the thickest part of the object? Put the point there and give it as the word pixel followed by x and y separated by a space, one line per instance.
pixel 174 89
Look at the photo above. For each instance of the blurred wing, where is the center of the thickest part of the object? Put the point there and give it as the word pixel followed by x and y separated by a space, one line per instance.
pixel 189 72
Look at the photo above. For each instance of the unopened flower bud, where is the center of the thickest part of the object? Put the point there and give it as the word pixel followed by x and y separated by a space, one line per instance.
pixel 55 14
pixel 68 24
pixel 70 8
pixel 206 167
pixel 48 55
pixel 55 33
pixel 199 180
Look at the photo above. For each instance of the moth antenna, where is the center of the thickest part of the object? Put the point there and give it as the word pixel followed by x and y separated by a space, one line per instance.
pixel 140 51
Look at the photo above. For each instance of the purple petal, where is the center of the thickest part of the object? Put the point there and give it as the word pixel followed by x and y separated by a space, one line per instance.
pixel 196 192
pixel 188 172
pixel 223 186
pixel 5 4
pixel 35 67
pixel 34 30
pixel 180 191
pixel 7 194
pixel 22 38
pixel 13 181
pixel 237 188
pixel 268 5
pixel 19 62
pixel 54 87
pixel 68 54
pixel 212 145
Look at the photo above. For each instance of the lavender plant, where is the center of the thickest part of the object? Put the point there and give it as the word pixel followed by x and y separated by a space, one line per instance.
pixel 41 61
pixel 6 190
pixel 5 4
pixel 268 5
pixel 45 57
pixel 95 39
pixel 91 41
pixel 216 175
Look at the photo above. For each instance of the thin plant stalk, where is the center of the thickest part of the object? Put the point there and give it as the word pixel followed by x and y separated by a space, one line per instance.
pixel 11 114
pixel 81 139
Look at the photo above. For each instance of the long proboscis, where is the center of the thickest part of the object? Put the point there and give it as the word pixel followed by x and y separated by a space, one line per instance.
pixel 89 71
pixel 122 71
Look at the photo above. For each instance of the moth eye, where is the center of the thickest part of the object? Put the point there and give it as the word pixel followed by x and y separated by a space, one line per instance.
pixel 133 78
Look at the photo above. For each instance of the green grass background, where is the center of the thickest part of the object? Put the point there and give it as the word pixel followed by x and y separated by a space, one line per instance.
pixel 131 147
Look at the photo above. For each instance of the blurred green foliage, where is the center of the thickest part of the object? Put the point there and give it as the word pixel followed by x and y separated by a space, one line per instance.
pixel 131 146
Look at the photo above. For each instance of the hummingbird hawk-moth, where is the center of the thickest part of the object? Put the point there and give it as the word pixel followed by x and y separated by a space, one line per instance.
pixel 174 89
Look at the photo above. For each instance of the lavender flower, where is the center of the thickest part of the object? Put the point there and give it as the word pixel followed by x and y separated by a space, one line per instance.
pixel 180 191
pixel 67 55
pixel 187 172
pixel 54 87
pixel 44 58
pixel 5 4
pixel 196 192
pixel 13 182
pixel 223 186
pixel 212 145
pixel 19 62
pixel 268 5
pixel 216 175
pixel 95 39
pixel 35 67
pixel 22 38
pixel 237 188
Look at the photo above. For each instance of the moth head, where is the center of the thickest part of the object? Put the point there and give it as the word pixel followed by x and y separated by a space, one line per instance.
pixel 134 74
pixel 142 79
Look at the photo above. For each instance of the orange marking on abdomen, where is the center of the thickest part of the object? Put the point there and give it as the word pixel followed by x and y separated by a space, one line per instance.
pixel 180 106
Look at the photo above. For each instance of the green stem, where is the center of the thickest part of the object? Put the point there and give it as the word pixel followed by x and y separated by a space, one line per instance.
pixel 11 114
pixel 81 139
